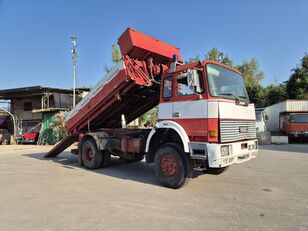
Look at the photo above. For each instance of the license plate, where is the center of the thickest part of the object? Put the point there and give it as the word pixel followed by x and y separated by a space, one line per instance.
pixel 244 129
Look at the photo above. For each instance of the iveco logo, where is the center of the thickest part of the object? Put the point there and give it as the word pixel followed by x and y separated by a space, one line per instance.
pixel 244 129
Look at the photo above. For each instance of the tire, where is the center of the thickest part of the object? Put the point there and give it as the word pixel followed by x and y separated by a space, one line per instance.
pixel 172 166
pixel 216 171
pixel 106 158
pixel 92 158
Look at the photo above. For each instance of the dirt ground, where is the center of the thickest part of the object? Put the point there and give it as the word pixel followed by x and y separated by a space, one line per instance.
pixel 266 193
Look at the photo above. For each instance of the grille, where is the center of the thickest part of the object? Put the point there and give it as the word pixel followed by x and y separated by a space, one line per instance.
pixel 234 130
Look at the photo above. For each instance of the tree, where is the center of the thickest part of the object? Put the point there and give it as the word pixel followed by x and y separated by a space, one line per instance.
pixel 251 73
pixel 252 78
pixel 275 93
pixel 297 86
pixel 116 55
pixel 149 119
pixel 214 55
pixel 256 93
pixel 194 59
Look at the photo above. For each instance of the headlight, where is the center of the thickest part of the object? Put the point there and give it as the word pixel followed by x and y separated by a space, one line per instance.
pixel 224 150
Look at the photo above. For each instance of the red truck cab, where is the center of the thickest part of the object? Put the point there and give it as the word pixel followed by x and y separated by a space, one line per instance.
pixel 295 124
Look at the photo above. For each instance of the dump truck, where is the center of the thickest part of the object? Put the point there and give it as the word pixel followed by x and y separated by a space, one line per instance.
pixel 205 121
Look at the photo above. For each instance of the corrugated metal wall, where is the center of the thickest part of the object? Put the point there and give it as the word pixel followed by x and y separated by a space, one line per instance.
pixel 296 105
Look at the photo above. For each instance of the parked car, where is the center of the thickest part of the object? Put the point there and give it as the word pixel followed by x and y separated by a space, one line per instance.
pixel 5 137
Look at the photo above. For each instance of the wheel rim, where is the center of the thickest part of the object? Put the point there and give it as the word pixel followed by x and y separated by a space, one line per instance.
pixel 89 154
pixel 168 165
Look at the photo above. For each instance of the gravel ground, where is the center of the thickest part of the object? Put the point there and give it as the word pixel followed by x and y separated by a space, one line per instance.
pixel 266 193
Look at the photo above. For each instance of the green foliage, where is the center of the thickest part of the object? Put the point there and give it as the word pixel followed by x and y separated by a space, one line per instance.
pixel 149 119
pixel 297 85
pixel 275 93
pixel 116 55
pixel 252 77
pixel 194 59
pixel 255 93
pixel 214 55
pixel 58 127
pixel 251 73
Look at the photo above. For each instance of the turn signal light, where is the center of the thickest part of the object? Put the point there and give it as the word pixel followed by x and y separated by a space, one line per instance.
pixel 213 133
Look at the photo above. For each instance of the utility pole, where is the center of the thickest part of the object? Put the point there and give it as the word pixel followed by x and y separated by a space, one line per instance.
pixel 74 55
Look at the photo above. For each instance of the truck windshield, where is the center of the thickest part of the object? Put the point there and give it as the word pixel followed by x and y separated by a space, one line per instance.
pixel 298 118
pixel 225 83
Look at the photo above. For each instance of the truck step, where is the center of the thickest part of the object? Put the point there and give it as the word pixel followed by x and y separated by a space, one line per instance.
pixel 61 146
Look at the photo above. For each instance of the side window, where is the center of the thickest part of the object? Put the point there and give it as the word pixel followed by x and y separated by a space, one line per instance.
pixel 28 106
pixel 183 86
pixel 167 90
pixel 184 89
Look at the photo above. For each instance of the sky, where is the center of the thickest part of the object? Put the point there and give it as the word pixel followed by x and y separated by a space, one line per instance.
pixel 35 35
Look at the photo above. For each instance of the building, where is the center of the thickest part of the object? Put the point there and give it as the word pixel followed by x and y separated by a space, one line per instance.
pixel 31 105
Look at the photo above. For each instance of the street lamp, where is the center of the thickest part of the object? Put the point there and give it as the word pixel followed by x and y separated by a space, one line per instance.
pixel 74 55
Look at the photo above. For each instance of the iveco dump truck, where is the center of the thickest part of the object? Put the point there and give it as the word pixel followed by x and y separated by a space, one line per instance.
pixel 205 120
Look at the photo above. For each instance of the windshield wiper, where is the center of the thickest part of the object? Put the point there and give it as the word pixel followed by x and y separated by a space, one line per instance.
pixel 235 97
pixel 237 101
pixel 242 96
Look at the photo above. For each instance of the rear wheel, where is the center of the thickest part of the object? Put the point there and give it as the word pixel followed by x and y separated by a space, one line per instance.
pixel 171 165
pixel 92 158
pixel 106 158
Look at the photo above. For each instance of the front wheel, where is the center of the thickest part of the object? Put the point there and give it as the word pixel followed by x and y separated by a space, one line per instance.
pixel 171 165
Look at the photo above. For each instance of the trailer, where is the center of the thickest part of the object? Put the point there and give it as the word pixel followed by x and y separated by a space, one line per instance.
pixel 289 117
pixel 206 122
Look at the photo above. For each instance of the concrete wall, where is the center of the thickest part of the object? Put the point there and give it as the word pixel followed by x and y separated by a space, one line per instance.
pixel 19 112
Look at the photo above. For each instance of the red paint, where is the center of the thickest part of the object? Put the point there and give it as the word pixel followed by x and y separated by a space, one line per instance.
pixel 140 46
pixel 31 136
pixel 4 121
pixel 288 127
pixel 197 129
pixel 168 165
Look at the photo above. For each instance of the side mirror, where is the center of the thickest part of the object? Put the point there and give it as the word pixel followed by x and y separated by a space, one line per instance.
pixel 194 81
pixel 266 117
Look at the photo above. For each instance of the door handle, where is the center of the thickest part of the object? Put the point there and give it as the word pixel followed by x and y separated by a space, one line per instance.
pixel 176 114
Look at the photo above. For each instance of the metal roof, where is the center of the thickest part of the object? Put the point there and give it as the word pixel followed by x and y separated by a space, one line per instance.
pixel 31 91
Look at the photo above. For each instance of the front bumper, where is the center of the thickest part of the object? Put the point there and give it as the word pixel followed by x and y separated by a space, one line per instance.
pixel 238 152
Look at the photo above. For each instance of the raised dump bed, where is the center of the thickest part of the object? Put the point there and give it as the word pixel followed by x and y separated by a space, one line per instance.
pixel 117 93
pixel 130 88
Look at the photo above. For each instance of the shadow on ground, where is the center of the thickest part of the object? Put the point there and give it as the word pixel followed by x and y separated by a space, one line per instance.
pixel 137 171
pixel 298 148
